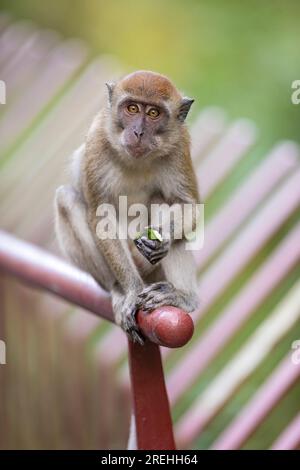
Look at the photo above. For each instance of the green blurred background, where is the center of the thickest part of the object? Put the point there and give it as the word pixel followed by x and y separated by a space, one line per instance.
pixel 239 55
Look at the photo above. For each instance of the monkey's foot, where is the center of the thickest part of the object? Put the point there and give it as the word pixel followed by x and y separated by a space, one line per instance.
pixel 135 336
pixel 161 294
pixel 129 325
pixel 125 309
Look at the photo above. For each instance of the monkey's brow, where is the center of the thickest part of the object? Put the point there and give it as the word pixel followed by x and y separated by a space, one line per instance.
pixel 132 99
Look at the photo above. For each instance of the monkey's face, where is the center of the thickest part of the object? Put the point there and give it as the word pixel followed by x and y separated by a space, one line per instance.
pixel 147 113
pixel 141 125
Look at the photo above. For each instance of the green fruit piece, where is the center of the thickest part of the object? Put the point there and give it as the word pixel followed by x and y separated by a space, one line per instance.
pixel 154 234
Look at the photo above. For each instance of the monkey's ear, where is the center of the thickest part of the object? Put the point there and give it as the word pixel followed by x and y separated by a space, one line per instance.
pixel 110 88
pixel 184 108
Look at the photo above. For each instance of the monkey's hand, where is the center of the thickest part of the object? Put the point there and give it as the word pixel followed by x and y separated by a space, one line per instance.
pixel 163 293
pixel 125 308
pixel 153 249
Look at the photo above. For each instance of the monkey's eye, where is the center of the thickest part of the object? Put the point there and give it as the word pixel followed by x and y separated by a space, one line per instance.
pixel 153 113
pixel 133 108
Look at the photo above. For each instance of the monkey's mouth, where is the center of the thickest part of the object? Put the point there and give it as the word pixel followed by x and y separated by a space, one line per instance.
pixel 138 150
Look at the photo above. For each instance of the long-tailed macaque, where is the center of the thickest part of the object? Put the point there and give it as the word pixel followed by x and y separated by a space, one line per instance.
pixel 137 146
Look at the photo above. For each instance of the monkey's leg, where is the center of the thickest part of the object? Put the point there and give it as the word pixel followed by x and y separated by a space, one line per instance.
pixel 77 242
pixel 180 285
pixel 75 238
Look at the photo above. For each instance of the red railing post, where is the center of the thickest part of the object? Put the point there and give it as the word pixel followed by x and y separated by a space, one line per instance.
pixel 153 424
pixel 166 326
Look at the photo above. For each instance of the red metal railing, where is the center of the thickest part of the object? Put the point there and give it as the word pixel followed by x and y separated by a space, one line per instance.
pixel 168 326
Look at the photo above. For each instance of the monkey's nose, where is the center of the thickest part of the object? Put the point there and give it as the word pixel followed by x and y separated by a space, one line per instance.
pixel 138 134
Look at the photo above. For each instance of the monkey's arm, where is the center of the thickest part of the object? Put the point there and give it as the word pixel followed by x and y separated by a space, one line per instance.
pixel 173 221
pixel 180 219
pixel 177 213
pixel 180 285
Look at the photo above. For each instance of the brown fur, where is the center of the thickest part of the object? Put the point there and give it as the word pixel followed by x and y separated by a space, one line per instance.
pixel 150 86
pixel 165 175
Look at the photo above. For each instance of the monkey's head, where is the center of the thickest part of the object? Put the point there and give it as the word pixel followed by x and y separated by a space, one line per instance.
pixel 147 115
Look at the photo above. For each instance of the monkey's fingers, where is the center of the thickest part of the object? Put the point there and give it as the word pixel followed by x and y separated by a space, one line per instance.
pixel 136 337
pixel 143 247
pixel 145 250
pixel 177 298
pixel 161 286
pixel 129 324
pixel 130 327
pixel 156 245
pixel 152 251
pixel 155 295
pixel 160 300
pixel 153 244
pixel 157 256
